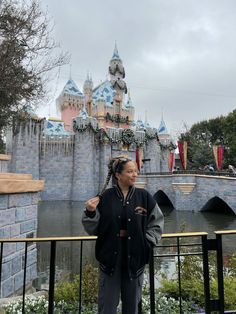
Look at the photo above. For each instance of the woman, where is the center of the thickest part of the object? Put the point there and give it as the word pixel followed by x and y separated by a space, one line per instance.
pixel 128 223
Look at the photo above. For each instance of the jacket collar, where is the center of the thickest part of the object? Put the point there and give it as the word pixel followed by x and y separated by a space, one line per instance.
pixel 120 194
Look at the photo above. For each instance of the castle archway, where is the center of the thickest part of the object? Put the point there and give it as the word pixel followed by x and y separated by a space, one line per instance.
pixel 163 200
pixel 217 205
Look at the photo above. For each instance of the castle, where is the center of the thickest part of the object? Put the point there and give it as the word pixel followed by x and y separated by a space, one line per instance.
pixel 106 102
pixel 72 154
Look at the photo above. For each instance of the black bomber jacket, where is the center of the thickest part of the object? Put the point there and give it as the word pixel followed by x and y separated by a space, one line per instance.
pixel 144 227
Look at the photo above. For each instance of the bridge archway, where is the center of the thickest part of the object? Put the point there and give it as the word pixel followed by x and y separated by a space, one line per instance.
pixel 163 200
pixel 217 205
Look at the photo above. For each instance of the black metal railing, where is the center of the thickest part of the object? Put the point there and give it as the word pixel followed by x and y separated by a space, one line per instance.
pixel 178 254
pixel 207 245
pixel 53 245
pixel 203 244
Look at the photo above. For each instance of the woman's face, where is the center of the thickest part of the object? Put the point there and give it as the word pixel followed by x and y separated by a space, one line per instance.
pixel 128 175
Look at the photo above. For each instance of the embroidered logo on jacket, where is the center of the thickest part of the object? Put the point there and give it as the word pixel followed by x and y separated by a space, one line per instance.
pixel 140 210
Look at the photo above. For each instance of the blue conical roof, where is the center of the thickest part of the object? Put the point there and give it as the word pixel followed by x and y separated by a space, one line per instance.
pixel 83 114
pixel 72 89
pixel 105 89
pixel 115 53
pixel 162 128
pixel 129 102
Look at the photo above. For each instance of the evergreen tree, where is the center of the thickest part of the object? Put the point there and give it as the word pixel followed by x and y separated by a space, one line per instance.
pixel 203 135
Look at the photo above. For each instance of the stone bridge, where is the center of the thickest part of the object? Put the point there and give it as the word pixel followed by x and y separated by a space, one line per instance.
pixel 193 191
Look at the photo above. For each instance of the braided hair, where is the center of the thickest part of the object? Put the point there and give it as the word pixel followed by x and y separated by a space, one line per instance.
pixel 115 165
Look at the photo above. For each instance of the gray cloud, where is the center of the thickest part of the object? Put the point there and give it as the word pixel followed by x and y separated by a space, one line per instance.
pixel 179 55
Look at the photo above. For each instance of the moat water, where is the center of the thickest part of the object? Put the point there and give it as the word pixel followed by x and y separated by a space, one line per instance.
pixel 63 219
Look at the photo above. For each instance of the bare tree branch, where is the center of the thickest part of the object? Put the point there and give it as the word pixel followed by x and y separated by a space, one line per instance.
pixel 28 53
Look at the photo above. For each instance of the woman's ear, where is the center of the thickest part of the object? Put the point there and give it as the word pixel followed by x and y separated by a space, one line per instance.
pixel 117 176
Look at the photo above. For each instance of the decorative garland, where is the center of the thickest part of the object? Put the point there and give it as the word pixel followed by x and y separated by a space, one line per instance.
pixel 117 118
pixel 86 127
pixel 171 146
pixel 127 136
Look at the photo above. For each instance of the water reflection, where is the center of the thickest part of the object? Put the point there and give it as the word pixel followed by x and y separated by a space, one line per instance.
pixel 63 218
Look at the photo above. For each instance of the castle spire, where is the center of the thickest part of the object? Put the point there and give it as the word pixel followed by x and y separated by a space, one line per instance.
pixel 162 127
pixel 117 73
pixel 115 53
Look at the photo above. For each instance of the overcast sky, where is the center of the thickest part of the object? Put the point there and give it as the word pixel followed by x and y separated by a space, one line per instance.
pixel 179 55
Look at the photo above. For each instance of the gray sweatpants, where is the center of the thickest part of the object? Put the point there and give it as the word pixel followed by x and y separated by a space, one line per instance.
pixel 111 288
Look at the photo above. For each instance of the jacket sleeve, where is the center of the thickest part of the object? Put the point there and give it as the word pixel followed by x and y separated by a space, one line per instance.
pixel 155 223
pixel 91 223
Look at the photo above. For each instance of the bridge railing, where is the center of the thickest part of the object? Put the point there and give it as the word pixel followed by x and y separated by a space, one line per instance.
pixel 201 241
pixel 198 172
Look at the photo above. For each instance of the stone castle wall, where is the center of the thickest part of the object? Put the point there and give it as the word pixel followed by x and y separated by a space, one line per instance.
pixel 18 219
pixel 74 167
pixel 24 149
pixel 4 162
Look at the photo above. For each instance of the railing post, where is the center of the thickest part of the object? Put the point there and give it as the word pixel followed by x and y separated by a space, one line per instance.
pixel 80 276
pixel 152 283
pixel 1 257
pixel 220 275
pixel 206 275
pixel 179 276
pixel 52 277
pixel 24 278
pixel 140 307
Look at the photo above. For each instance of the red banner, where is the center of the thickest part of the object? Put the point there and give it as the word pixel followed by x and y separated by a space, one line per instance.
pixel 171 161
pixel 220 157
pixel 137 159
pixel 182 146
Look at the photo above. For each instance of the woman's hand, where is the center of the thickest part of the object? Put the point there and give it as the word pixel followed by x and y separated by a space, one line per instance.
pixel 92 203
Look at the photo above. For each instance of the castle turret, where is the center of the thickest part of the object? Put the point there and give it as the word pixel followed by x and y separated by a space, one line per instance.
pixel 69 103
pixel 88 94
pixel 117 73
pixel 100 105
pixel 163 134
pixel 129 106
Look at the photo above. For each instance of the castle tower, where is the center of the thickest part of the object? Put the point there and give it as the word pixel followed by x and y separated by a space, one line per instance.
pixel 69 103
pixel 117 73
pixel 129 106
pixel 100 105
pixel 163 134
pixel 88 94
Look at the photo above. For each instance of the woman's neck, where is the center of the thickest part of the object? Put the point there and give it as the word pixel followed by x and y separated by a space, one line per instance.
pixel 124 189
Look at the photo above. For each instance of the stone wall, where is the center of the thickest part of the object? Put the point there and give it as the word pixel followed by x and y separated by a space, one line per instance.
pixel 56 171
pixel 152 151
pixel 4 162
pixel 25 149
pixel 18 219
pixel 73 167
pixel 85 166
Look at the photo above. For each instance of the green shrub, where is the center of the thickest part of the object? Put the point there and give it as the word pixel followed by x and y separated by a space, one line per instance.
pixel 68 289
pixel 192 281
pixel 90 284
pixel 232 265
pixel 230 293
